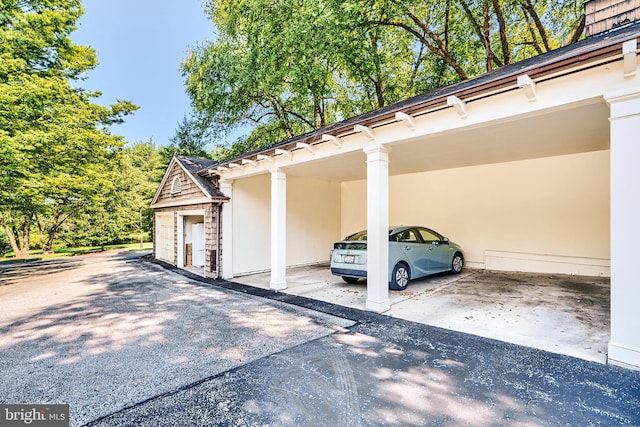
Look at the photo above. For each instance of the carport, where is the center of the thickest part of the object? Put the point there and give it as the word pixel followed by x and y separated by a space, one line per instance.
pixel 553 312
pixel 526 167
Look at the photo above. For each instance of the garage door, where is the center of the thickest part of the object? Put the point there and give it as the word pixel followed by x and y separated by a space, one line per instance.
pixel 165 238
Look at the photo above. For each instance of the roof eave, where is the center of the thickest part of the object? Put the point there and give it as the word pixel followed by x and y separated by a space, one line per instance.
pixel 596 51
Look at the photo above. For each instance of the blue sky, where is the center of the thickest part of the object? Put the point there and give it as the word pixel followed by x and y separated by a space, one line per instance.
pixel 140 44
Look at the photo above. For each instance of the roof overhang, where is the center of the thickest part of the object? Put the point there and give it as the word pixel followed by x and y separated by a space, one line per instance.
pixel 328 148
pixel 207 197
pixel 187 202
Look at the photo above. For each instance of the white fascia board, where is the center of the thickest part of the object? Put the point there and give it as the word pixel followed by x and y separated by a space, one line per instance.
pixel 184 202
pixel 586 86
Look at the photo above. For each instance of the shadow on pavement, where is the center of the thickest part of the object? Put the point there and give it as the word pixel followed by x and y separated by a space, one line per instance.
pixel 136 331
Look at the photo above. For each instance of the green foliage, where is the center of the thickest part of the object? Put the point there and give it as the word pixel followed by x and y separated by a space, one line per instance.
pixel 56 154
pixel 4 244
pixel 124 206
pixel 142 168
pixel 189 140
pixel 285 67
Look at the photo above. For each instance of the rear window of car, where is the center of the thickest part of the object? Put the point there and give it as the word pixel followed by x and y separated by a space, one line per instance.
pixel 361 235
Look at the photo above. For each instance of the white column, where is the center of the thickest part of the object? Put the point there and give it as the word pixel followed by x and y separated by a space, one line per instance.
pixel 624 347
pixel 278 229
pixel 377 228
pixel 226 187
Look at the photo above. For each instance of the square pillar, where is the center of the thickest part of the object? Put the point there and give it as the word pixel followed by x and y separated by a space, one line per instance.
pixel 624 347
pixel 278 229
pixel 377 228
pixel 226 187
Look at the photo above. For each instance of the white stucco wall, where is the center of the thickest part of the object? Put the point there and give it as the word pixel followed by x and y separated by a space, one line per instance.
pixel 313 221
pixel 549 214
pixel 251 224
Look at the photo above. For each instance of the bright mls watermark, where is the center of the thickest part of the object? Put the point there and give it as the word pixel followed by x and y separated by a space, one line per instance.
pixel 34 415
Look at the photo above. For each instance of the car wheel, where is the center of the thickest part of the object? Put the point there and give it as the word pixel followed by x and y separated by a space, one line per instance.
pixel 457 263
pixel 351 280
pixel 399 277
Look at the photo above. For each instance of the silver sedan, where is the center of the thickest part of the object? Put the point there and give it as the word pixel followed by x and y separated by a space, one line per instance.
pixel 414 252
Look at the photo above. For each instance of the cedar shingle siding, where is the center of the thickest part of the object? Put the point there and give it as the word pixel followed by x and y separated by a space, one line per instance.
pixel 189 188
pixel 191 202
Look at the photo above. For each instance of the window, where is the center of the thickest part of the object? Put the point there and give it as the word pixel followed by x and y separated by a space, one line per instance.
pixel 428 235
pixel 407 236
pixel 176 185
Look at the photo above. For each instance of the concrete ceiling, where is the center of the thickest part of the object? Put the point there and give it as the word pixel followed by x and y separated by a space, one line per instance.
pixel 581 128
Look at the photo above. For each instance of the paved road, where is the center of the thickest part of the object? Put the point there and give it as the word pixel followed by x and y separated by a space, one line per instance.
pixel 139 344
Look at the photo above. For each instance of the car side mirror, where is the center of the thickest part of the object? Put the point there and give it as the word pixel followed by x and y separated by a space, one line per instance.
pixel 446 240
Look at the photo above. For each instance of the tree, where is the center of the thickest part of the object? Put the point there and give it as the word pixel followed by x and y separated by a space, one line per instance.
pixel 189 140
pixel 464 34
pixel 142 165
pixel 55 149
pixel 289 67
pixel 123 210
pixel 267 68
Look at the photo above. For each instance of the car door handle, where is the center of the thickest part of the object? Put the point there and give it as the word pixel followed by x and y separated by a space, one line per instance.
pixel 407 248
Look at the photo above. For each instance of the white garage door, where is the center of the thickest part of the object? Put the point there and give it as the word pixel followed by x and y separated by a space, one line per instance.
pixel 165 237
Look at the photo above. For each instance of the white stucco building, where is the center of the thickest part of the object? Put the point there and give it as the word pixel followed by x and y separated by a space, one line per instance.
pixel 532 167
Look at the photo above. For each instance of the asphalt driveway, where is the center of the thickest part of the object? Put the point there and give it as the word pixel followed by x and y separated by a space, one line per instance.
pixel 130 342
pixel 104 332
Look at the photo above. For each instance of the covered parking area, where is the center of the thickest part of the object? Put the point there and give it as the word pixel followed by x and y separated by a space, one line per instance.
pixel 527 168
pixel 554 312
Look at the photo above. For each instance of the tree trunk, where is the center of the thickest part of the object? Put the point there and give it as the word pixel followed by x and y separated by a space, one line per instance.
pixel 486 42
pixel 46 246
pixel 502 27
pixel 529 9
pixel 50 242
pixel 26 233
pixel 18 252
pixel 486 35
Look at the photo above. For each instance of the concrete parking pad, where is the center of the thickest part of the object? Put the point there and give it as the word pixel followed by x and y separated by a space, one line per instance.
pixel 104 332
pixel 559 313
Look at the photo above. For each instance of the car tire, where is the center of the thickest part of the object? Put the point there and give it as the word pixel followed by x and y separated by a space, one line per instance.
pixel 457 263
pixel 400 277
pixel 350 280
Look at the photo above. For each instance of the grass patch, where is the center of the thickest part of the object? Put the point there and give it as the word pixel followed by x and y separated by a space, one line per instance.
pixel 65 252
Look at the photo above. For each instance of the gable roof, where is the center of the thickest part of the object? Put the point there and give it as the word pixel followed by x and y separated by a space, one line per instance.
pixel 191 166
pixel 598 49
